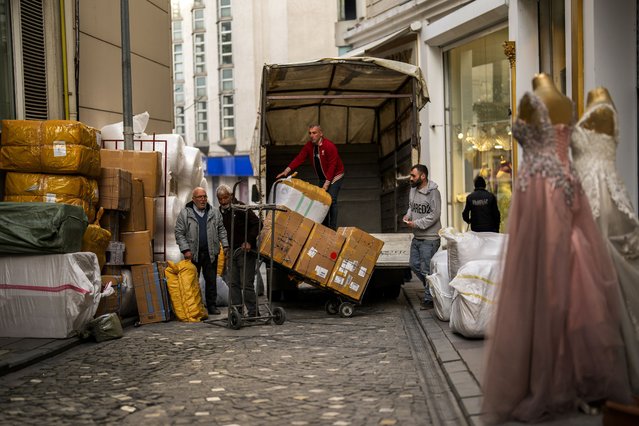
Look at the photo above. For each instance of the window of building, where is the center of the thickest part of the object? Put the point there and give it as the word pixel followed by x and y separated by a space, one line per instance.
pixel 552 40
pixel 478 122
pixel 198 20
pixel 178 57
pixel 180 124
pixel 224 9
pixel 199 56
pixel 7 107
pixel 225 46
pixel 228 117
pixel 178 71
pixel 201 123
pixel 347 10
pixel 179 93
pixel 177 31
pixel 200 86
pixel 226 79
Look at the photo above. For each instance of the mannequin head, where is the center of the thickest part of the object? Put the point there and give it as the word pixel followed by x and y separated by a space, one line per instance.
pixel 599 94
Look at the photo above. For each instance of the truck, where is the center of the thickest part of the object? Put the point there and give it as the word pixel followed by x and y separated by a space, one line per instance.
pixel 369 107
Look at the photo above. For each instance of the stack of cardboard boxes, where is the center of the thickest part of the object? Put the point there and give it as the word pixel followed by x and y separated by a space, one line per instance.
pixel 129 190
pixel 342 260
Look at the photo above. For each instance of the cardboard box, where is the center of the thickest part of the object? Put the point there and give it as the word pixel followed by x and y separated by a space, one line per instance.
pixel 138 247
pixel 150 211
pixel 114 302
pixel 151 293
pixel 291 231
pixel 142 165
pixel 114 189
pixel 135 218
pixel 319 254
pixel 355 263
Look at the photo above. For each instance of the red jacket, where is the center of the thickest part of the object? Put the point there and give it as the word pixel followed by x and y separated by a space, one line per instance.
pixel 332 166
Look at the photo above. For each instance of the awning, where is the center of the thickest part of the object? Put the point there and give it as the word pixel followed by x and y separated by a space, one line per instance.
pixel 236 165
pixel 362 50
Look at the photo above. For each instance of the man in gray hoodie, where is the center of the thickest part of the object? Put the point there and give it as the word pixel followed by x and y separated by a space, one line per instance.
pixel 424 210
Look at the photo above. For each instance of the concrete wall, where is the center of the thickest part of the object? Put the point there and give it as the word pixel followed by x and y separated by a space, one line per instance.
pixel 100 91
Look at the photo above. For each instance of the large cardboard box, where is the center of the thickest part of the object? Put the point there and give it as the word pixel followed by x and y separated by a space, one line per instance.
pixel 138 249
pixel 114 189
pixel 151 293
pixel 318 256
pixel 135 218
pixel 150 212
pixel 113 302
pixel 142 165
pixel 291 232
pixel 355 263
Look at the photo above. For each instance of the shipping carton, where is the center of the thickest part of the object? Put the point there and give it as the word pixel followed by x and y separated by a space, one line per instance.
pixel 151 293
pixel 355 263
pixel 135 219
pixel 138 248
pixel 113 302
pixel 318 256
pixel 142 165
pixel 291 232
pixel 150 212
pixel 114 189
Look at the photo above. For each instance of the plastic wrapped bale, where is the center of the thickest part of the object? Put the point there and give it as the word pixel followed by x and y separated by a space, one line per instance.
pixel 463 247
pixel 309 200
pixel 222 291
pixel 184 290
pixel 96 239
pixel 128 305
pixel 192 170
pixel 475 296
pixel 105 327
pixel 166 239
pixel 438 282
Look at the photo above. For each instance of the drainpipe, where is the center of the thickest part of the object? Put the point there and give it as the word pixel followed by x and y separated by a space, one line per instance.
pixel 127 108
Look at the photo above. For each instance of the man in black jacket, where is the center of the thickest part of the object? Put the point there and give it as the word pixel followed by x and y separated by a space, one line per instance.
pixel 481 209
pixel 243 254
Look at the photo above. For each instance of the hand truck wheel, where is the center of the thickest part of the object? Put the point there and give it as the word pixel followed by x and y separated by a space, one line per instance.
pixel 332 306
pixel 235 319
pixel 279 315
pixel 346 310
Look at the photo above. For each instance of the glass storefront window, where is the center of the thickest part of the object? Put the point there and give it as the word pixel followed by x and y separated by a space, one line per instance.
pixel 479 140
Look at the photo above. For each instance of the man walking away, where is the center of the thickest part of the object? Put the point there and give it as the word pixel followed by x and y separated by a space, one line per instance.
pixel 481 209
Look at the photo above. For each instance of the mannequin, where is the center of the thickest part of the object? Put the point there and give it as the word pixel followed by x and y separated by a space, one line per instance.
pixel 559 107
pixel 601 120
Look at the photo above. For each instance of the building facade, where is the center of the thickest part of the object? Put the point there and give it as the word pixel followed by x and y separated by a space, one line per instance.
pixel 479 58
pixel 219 48
pixel 62 60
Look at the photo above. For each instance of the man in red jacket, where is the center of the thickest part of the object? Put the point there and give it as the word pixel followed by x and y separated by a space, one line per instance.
pixel 329 168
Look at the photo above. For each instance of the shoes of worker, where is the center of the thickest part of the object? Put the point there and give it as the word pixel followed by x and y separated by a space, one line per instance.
pixel 426 304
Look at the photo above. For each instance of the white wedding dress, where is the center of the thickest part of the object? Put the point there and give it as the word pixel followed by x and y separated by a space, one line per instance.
pixel 594 157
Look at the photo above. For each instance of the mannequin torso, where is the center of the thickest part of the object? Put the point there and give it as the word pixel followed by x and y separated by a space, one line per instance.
pixel 600 120
pixel 560 108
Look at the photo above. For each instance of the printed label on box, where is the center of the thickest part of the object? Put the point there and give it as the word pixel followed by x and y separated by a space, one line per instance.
pixel 59 149
pixel 339 280
pixel 353 286
pixel 49 198
pixel 321 272
pixel 311 252
pixel 362 271
pixel 349 265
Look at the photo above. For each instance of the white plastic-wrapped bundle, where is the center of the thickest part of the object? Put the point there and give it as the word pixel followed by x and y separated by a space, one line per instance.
pixel 184 193
pixel 173 208
pixel 302 197
pixel 205 184
pixel 464 247
pixel 115 131
pixel 172 148
pixel 192 172
pixel 222 291
pixel 438 282
pixel 475 296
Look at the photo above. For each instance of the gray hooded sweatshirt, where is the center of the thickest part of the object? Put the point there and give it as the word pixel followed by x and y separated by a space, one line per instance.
pixel 424 209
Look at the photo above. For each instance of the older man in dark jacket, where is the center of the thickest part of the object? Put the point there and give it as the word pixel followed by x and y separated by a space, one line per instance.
pixel 481 209
pixel 246 227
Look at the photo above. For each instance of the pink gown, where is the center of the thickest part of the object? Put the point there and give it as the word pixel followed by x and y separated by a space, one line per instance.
pixel 555 337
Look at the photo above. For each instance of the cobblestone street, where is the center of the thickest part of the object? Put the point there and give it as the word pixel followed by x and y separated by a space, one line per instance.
pixel 314 369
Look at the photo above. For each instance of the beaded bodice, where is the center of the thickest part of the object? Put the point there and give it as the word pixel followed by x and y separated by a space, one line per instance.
pixel 545 148
pixel 594 156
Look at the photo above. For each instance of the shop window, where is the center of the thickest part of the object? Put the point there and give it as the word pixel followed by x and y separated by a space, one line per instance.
pixel 478 122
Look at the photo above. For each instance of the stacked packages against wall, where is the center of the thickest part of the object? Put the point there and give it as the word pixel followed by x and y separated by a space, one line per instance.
pixel 53 300
pixel 53 146
pixel 151 292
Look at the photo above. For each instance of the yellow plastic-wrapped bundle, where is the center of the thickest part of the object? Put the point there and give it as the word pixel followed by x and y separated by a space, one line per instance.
pixel 184 289
pixel 96 239
pixel 55 146
pixel 309 200
pixel 220 262
pixel 67 189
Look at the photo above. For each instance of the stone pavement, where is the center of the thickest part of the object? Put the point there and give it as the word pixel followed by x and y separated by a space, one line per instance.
pixel 460 359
